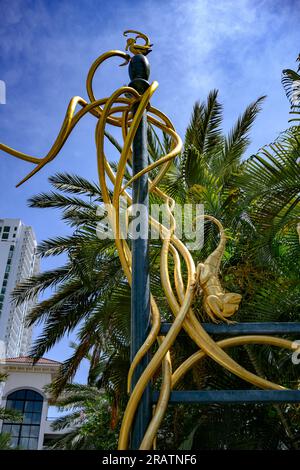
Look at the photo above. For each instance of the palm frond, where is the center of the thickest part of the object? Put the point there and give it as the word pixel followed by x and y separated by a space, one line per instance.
pixel 204 131
pixel 291 84
pixel 74 184
pixel 236 143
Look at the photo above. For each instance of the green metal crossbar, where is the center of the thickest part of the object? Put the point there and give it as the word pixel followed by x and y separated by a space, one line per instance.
pixel 232 396
pixel 238 396
pixel 259 328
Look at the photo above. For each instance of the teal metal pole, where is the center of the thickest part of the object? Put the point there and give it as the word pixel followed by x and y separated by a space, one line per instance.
pixel 140 292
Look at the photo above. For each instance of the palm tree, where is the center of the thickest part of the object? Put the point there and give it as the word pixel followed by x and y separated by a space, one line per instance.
pixel 258 198
pixel 92 296
pixel 87 421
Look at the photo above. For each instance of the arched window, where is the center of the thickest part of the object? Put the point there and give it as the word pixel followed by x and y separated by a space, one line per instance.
pixel 25 434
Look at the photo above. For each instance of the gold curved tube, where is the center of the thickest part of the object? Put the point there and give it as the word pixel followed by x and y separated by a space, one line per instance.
pixel 101 172
pixel 177 273
pixel 150 340
pixel 228 343
pixel 96 64
pixel 163 400
pixel 164 159
pixel 55 147
pixel 163 348
pixel 126 267
pixel 150 370
pixel 129 138
pixel 68 124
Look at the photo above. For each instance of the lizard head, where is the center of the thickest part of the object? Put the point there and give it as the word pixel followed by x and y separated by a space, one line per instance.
pixel 231 303
pixel 220 306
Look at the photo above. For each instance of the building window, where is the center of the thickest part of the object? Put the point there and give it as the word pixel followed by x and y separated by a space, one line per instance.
pixel 6 229
pixel 3 290
pixel 15 228
pixel 5 236
pixel 26 434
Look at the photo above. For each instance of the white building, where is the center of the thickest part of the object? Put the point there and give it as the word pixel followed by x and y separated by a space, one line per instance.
pixel 23 388
pixel 24 391
pixel 18 261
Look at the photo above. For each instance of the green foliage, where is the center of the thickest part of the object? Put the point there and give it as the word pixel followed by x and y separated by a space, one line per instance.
pixel 87 421
pixel 291 83
pixel 5 441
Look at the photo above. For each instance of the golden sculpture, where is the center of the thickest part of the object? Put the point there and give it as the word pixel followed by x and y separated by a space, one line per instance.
pixel 216 302
pixel 219 305
pixel 135 48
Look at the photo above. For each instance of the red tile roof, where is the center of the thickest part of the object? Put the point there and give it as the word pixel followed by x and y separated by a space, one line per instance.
pixel 29 360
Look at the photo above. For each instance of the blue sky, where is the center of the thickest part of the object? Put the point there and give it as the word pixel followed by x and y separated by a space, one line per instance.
pixel 46 48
